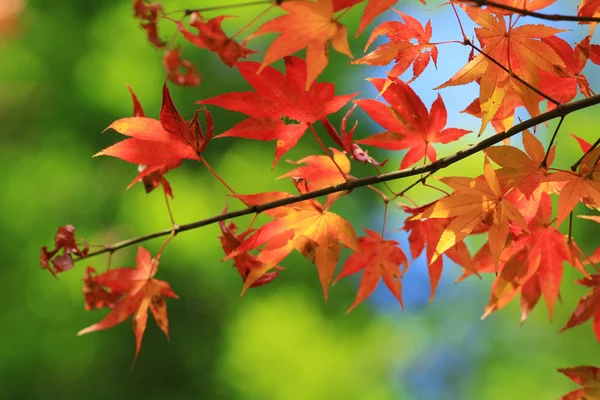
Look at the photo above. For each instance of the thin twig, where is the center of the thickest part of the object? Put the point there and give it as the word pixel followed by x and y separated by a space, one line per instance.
pixel 512 74
pixel 444 162
pixel 312 129
pixel 188 11
pixel 544 162
pixel 212 171
pixel 385 214
pixel 521 11
pixel 574 166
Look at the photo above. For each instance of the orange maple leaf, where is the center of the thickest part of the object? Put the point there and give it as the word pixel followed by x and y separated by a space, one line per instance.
pixel 583 185
pixel 474 201
pixel 321 171
pixel 380 259
pixel 141 291
pixel 517 49
pixel 309 24
pixel 425 234
pixel 372 9
pixel 307 226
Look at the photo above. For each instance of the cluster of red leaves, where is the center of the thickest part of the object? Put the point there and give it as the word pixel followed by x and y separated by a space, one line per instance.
pixel 65 241
pixel 516 66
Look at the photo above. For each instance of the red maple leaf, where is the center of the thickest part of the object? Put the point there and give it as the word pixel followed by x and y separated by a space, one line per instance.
pixel 245 263
pixel 372 9
pixel 378 259
pixel 149 14
pixel 588 307
pixel 408 123
pixel 212 37
pixel 141 291
pixel 401 47
pixel 280 109
pixel 160 145
pixel 65 241
pixel 173 64
pixel 586 376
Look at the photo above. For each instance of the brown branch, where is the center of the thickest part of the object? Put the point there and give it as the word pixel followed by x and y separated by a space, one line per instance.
pixel 189 11
pixel 558 112
pixel 549 17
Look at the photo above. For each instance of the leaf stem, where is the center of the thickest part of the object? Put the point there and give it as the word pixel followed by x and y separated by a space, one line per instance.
pixel 169 209
pixel 561 110
pixel 312 129
pixel 385 214
pixel 249 24
pixel 212 171
pixel 188 11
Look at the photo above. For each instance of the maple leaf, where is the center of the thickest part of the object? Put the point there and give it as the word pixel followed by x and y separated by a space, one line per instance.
pixel 372 10
pixel 321 171
pixel 95 294
pixel 65 241
pixel 280 109
pixel 155 178
pixel 474 201
pixel 523 170
pixel 379 259
pixel 344 139
pixel 425 234
pixel 529 5
pixel 307 226
pixel 589 8
pixel 173 63
pixel 586 376
pixel 211 36
pixel 534 264
pixel 309 24
pixel 583 185
pixel 401 48
pixel 562 85
pixel 149 14
pixel 408 123
pixel 160 145
pixel 141 291
pixel 588 307
pixel 245 263
pixel 517 49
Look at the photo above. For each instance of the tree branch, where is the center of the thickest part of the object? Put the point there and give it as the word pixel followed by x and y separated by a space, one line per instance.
pixel 558 112
pixel 549 17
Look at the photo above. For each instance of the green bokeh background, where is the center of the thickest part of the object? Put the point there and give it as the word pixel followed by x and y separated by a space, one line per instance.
pixel 63 71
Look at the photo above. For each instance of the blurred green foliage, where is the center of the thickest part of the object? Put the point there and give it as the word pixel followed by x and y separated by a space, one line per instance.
pixel 62 81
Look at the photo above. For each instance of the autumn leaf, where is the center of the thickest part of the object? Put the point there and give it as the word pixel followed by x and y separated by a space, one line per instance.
pixel 308 24
pixel 583 185
pixel 588 307
pixel 160 145
pixel 589 8
pixel 345 139
pixel 562 85
pixel 401 48
pixel 142 292
pixel 373 9
pixel 308 226
pixel 378 259
pixel 586 376
pixel 212 37
pixel 516 48
pixel 96 295
pixel 245 263
pixel 321 171
pixel 534 265
pixel 173 64
pixel 408 123
pixel 149 14
pixel 65 241
pixel 524 170
pixel 280 109
pixel 425 234
pixel 474 201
